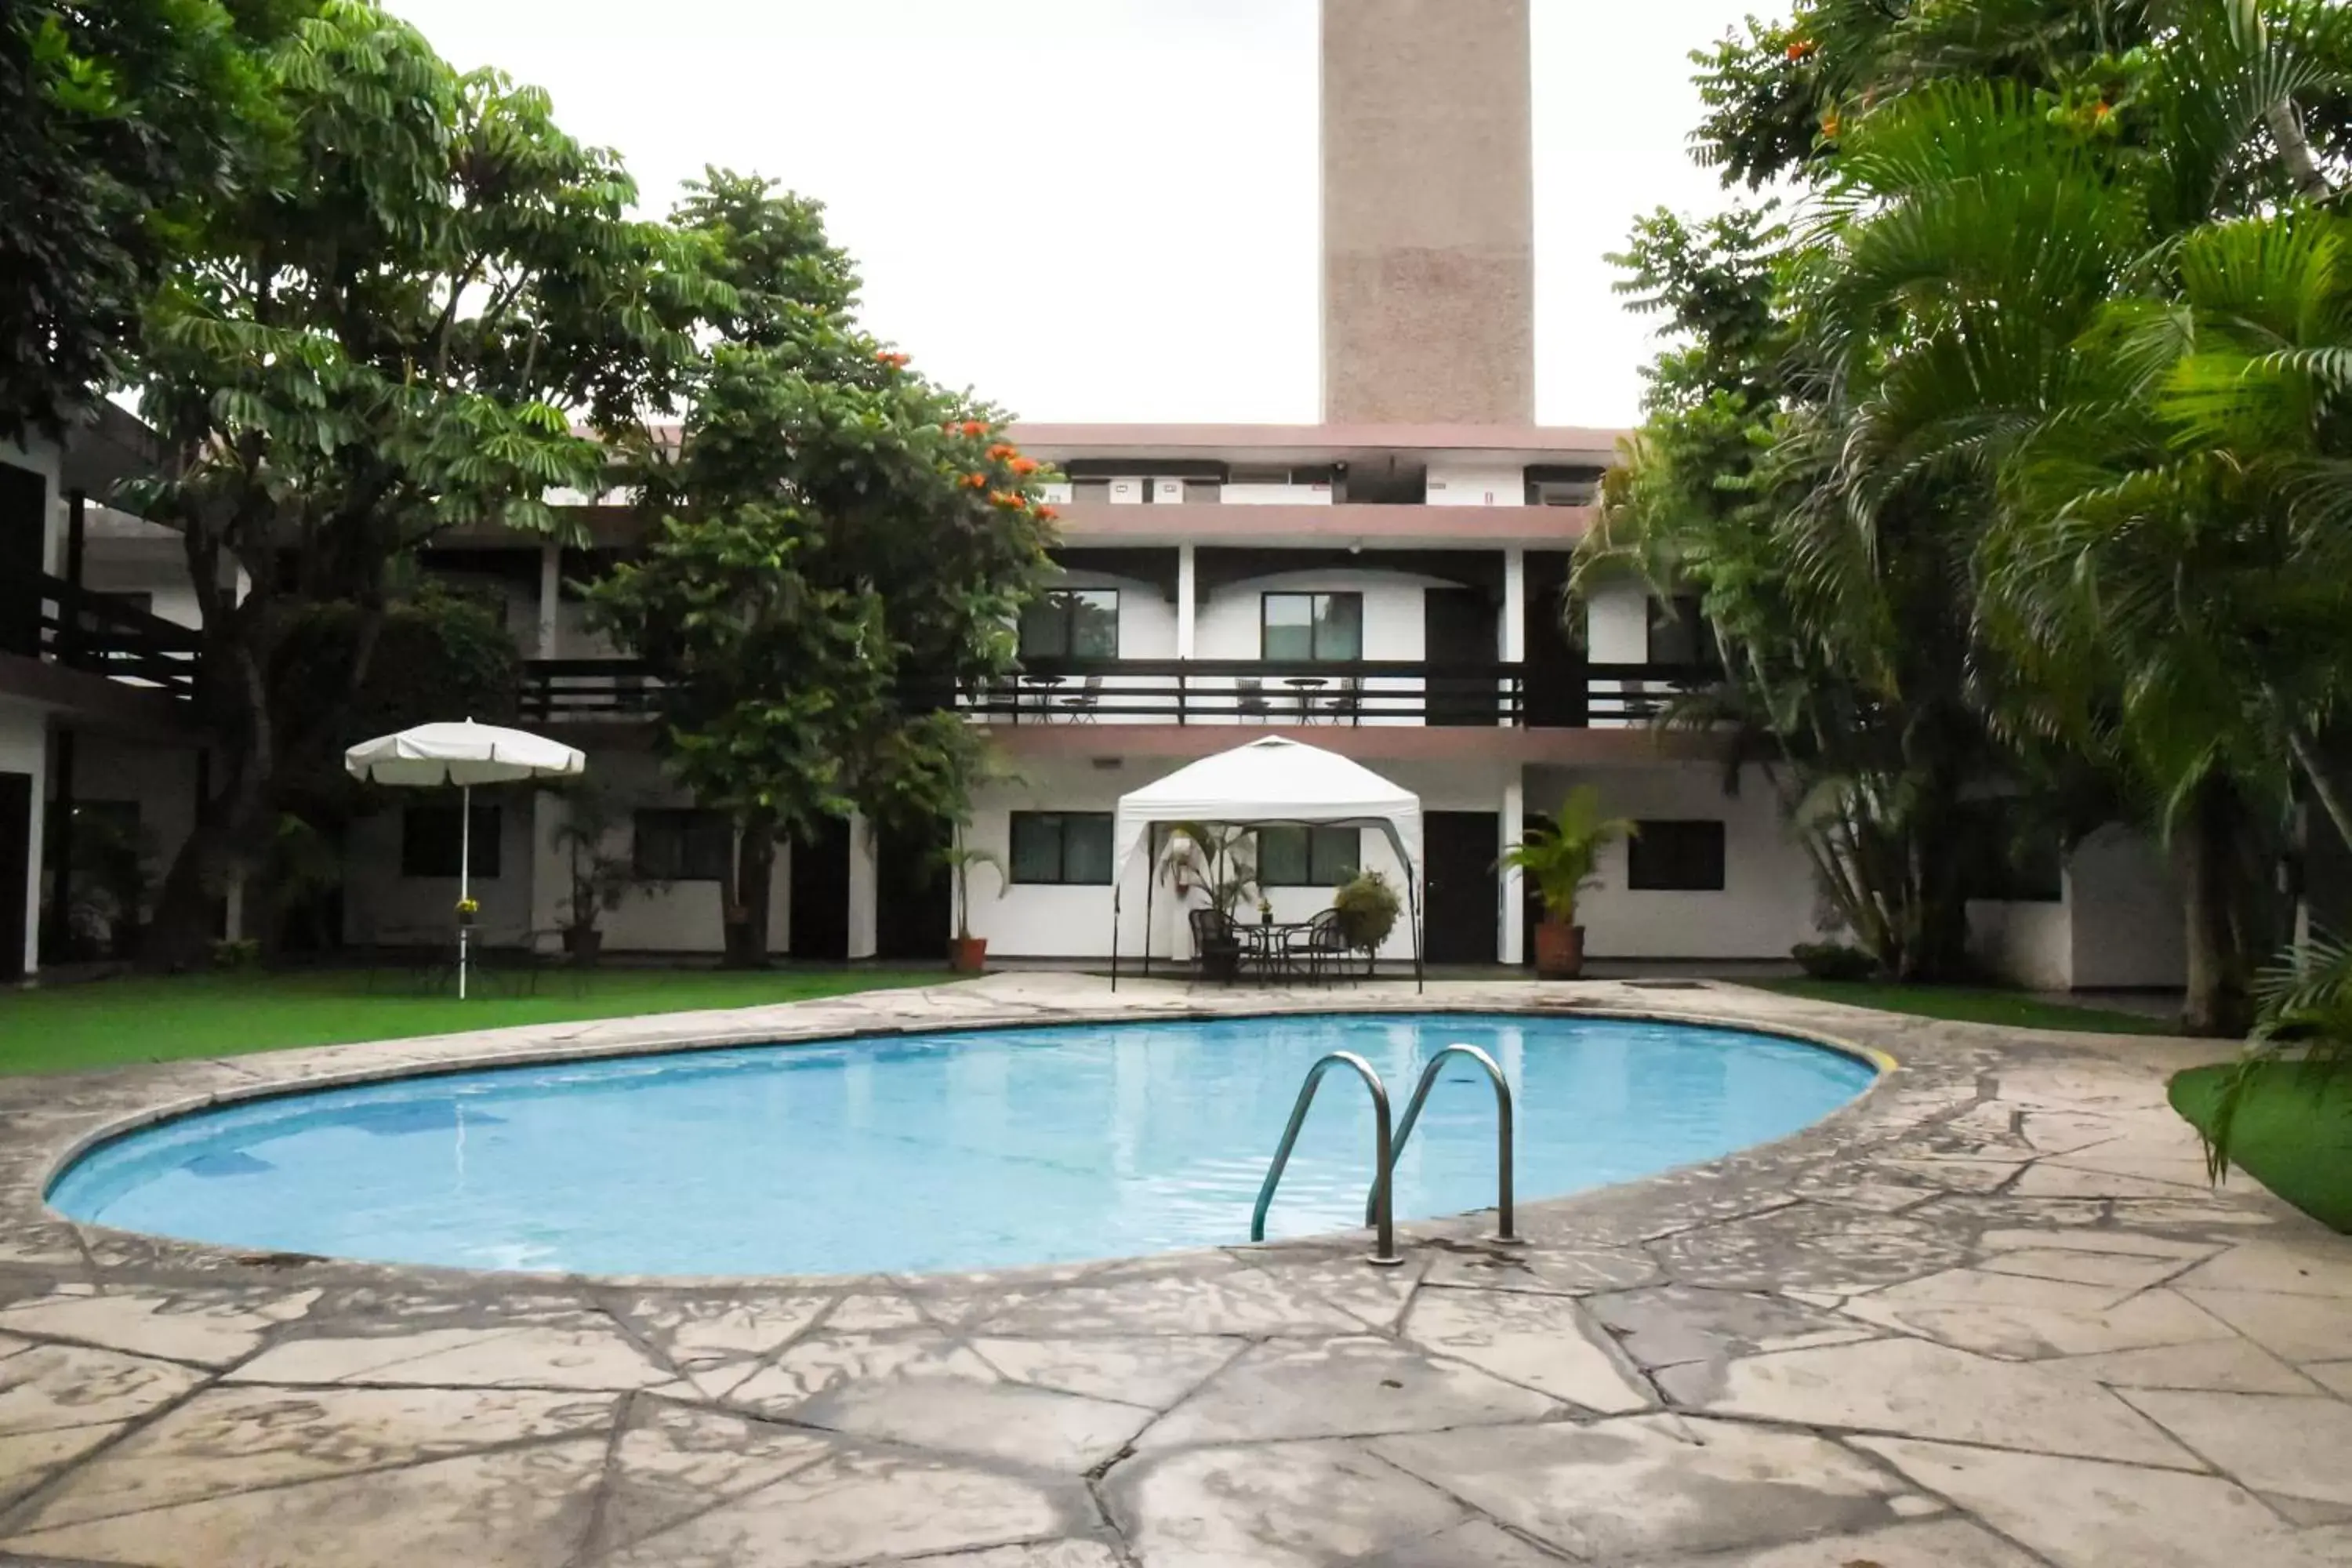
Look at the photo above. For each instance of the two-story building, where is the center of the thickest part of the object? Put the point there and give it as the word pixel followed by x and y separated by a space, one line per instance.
pixel 1386 582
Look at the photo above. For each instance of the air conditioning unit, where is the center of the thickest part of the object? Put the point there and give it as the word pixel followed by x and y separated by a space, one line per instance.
pixel 1168 492
pixel 1057 494
pixel 1128 492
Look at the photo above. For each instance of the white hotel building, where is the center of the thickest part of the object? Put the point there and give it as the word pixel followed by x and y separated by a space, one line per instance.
pixel 1386 584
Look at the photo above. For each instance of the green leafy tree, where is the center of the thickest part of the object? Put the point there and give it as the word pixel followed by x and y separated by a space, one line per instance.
pixel 126 120
pixel 838 544
pixel 383 335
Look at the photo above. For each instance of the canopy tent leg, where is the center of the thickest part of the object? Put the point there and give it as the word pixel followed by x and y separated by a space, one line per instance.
pixel 1150 880
pixel 1413 913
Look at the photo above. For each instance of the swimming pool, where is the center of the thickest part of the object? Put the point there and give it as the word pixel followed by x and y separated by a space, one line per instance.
pixel 914 1153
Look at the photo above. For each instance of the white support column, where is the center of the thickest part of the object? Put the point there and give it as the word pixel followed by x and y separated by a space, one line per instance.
pixel 551 594
pixel 1188 579
pixel 865 933
pixel 1511 947
pixel 1515 606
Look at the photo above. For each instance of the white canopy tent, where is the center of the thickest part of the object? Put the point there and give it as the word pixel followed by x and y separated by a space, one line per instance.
pixel 1271 783
pixel 463 754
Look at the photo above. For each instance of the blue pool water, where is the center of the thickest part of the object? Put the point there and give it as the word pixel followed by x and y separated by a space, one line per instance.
pixel 980 1150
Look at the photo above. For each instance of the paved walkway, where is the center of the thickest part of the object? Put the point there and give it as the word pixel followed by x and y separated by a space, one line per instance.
pixel 1991 1317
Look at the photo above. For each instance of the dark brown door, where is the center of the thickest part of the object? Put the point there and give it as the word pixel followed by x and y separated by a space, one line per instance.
pixel 24 529
pixel 16 867
pixel 1554 696
pixel 1463 890
pixel 914 895
pixel 1457 630
pixel 820 873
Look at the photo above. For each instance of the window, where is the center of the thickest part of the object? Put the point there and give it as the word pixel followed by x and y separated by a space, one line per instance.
pixel 429 837
pixel 684 846
pixel 1308 856
pixel 1319 626
pixel 1680 635
pixel 1071 623
pixel 1676 857
pixel 1062 848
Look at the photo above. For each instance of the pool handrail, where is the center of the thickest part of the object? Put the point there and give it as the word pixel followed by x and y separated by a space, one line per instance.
pixel 1505 1231
pixel 1381 1211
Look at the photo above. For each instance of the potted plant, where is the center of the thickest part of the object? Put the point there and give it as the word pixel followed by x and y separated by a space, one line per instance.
pixel 1368 909
pixel 1559 856
pixel 967 954
pixel 600 879
pixel 1213 861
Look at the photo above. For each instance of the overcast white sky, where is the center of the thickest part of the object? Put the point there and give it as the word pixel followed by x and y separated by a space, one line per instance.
pixel 1103 210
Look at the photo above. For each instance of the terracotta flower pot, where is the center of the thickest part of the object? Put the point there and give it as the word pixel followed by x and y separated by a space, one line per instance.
pixel 1559 951
pixel 967 954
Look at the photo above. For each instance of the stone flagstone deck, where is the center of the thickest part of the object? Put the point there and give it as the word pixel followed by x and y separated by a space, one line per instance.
pixel 1989 1317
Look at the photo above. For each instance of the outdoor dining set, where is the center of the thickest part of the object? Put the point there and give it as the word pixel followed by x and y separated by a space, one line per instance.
pixel 1269 950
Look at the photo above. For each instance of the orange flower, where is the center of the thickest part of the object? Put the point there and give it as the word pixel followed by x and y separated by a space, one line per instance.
pixel 1024 466
pixel 2101 112
pixel 1800 49
pixel 976 482
pixel 1047 514
pixel 895 360
pixel 974 429
pixel 1005 499
pixel 1001 451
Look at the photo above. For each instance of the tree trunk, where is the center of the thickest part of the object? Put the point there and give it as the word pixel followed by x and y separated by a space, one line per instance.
pixel 2285 123
pixel 187 909
pixel 2216 1003
pixel 748 900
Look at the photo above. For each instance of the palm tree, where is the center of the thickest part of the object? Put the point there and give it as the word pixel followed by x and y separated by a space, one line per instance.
pixel 1559 856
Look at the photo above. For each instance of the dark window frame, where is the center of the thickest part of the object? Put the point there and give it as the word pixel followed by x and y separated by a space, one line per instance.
pixel 1061 602
pixel 686 823
pixel 1320 838
pixel 1014 875
pixel 1658 859
pixel 421 854
pixel 1315 622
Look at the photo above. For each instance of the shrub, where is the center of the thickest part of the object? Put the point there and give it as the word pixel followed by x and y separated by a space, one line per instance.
pixel 1833 961
pixel 1367 910
pixel 243 954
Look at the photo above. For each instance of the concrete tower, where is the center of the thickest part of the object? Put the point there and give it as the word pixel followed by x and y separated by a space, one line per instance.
pixel 1428 213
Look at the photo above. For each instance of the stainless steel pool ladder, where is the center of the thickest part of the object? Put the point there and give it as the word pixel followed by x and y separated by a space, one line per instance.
pixel 1382 1215
pixel 1505 1231
pixel 1379 1206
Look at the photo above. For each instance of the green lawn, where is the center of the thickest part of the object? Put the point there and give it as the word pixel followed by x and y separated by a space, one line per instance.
pixel 1971 1004
pixel 109 1022
pixel 2294 1133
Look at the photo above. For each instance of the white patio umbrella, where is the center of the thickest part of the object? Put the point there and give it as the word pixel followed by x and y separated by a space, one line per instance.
pixel 463 754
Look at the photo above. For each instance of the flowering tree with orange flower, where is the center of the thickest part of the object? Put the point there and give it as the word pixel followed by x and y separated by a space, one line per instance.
pixel 836 544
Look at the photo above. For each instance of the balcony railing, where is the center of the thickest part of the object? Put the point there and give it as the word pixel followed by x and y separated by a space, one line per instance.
pixel 106 634
pixel 1359 693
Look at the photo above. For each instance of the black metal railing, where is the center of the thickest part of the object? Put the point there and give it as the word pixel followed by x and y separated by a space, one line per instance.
pixel 107 634
pixel 1356 692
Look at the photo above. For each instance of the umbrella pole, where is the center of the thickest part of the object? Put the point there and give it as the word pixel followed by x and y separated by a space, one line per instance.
pixel 465 878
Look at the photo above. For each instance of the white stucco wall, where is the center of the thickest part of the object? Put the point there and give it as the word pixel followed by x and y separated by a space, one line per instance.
pixel 1075 922
pixel 2028 944
pixel 1617 631
pixel 1768 900
pixel 1473 483
pixel 681 917
pixel 24 749
pixel 2127 922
